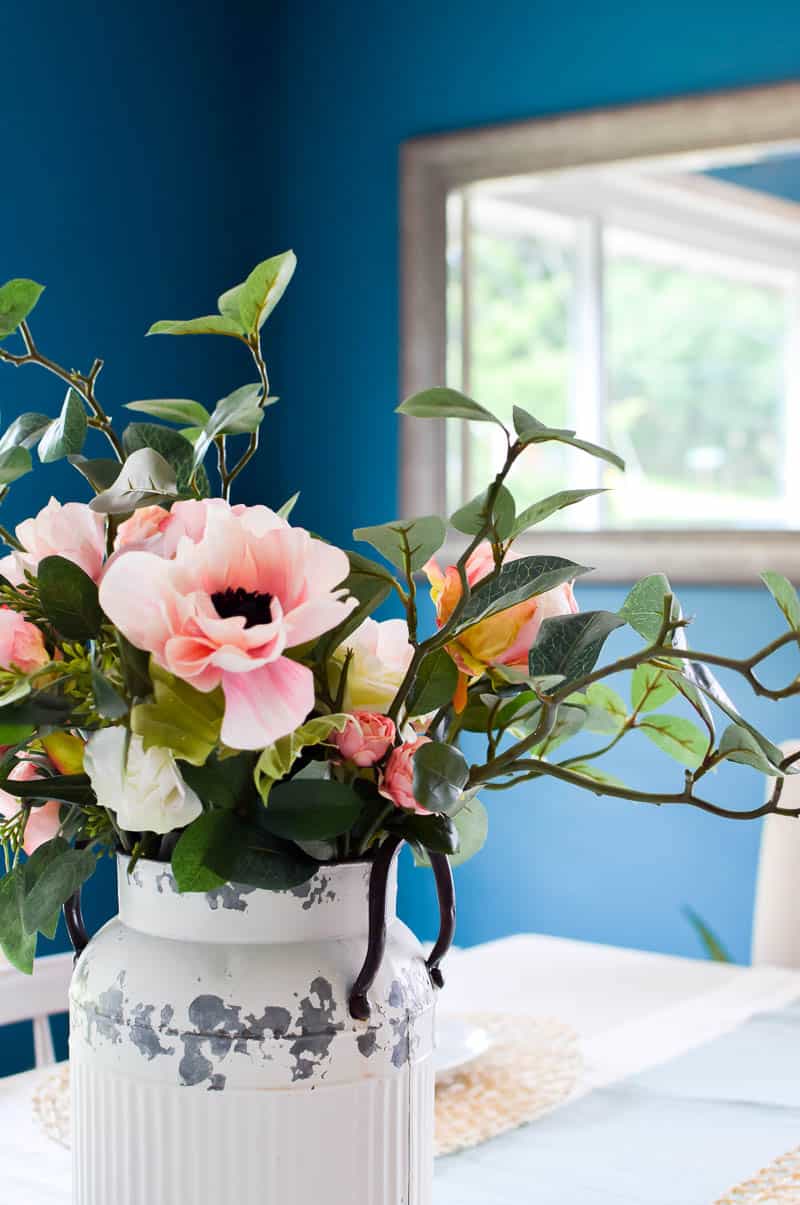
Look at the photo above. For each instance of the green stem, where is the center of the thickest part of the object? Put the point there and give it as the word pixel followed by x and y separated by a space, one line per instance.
pixel 374 828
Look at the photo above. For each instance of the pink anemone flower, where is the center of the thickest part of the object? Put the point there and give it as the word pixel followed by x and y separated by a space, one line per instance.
pixel 227 606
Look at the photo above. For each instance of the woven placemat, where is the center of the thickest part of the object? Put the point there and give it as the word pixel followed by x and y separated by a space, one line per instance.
pixel 531 1066
pixel 777 1184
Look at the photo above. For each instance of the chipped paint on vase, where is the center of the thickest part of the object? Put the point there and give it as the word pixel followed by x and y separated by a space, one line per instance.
pixel 214 1056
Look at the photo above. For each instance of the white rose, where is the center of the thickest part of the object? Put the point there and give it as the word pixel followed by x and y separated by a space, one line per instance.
pixel 147 793
pixel 381 656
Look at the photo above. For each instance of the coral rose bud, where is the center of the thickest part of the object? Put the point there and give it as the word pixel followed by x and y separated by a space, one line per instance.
pixel 366 739
pixel 43 821
pixel 398 778
pixel 21 643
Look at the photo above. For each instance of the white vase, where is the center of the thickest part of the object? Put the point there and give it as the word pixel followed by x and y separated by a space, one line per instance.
pixel 214 1057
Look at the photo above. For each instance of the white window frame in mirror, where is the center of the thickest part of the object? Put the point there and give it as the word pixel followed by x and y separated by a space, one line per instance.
pixel 434 167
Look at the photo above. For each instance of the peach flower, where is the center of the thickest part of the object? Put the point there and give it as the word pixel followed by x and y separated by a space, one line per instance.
pixel 224 609
pixel 505 638
pixel 367 738
pixel 398 778
pixel 43 821
pixel 381 654
pixel 21 643
pixel 72 531
pixel 158 530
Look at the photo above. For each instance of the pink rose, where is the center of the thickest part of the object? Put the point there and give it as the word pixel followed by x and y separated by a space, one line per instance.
pixel 227 606
pixel 43 821
pixel 154 529
pixel 21 643
pixel 72 531
pixel 366 739
pixel 398 778
pixel 505 638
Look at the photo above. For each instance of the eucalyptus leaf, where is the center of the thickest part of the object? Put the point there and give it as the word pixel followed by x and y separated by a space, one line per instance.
pixel 434 685
pixel 548 506
pixel 531 432
pixel 101 473
pixel 174 447
pixel 440 775
pixel 436 833
pixel 516 582
pixel 211 324
pixel 441 402
pixel 678 737
pixel 18 946
pixel 475 517
pixel 25 431
pixel 252 302
pixel 66 434
pixel 145 479
pixel 571 644
pixel 17 298
pixel 14 463
pixel 69 598
pixel 222 784
pixel 415 539
pixel 173 410
pixel 785 596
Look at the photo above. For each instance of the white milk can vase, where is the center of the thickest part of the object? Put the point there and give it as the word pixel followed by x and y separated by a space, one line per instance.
pixel 239 1046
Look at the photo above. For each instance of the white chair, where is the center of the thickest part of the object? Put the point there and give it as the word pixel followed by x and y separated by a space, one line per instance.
pixel 36 998
pixel 776 919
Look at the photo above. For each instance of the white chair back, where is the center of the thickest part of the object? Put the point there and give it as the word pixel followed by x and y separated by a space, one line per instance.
pixel 776 919
pixel 36 998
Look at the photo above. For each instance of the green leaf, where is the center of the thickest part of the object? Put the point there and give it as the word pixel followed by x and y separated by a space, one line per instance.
pixel 651 688
pixel 64 788
pixel 472 826
pixel 446 403
pixel 571 644
pixel 531 431
pixel 252 302
pixel 14 463
pixel 437 832
pixel 601 777
pixel 25 431
pixel 440 775
pixel 205 833
pixel 711 943
pixel 40 710
pixel 371 584
pixel 785 596
pixel 474 517
pixel 739 745
pixel 285 511
pixel 692 696
pixel 69 598
pixel 101 474
pixel 276 760
pixel 174 447
pixel 678 737
pixel 602 698
pixel 66 434
pixel 52 875
pixel 548 506
pixel 211 324
pixel 434 684
pixel 239 413
pixel 311 810
pixel 109 704
pixel 173 410
pixel 17 298
pixel 644 606
pixel 516 582
pixel 145 479
pixel 224 784
pixel 180 718
pixel 417 538
pixel 18 946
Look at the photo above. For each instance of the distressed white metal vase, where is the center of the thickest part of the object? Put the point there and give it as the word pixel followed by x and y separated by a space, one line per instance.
pixel 215 1056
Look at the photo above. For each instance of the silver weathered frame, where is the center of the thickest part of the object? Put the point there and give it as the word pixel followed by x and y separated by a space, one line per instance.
pixel 432 167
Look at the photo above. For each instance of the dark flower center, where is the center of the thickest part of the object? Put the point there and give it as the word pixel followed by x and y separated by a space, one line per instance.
pixel 256 608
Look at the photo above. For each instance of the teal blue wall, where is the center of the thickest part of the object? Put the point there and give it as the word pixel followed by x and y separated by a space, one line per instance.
pixel 357 79
pixel 153 151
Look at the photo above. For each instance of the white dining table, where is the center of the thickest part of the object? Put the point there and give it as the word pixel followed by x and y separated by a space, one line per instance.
pixel 659 1039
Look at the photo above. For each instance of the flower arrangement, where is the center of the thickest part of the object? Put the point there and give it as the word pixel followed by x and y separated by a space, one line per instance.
pixel 193 680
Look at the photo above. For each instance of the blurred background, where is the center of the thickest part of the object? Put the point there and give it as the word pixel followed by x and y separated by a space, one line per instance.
pixel 153 153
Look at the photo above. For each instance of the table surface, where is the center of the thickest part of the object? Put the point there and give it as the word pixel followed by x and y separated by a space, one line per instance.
pixel 679 1082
